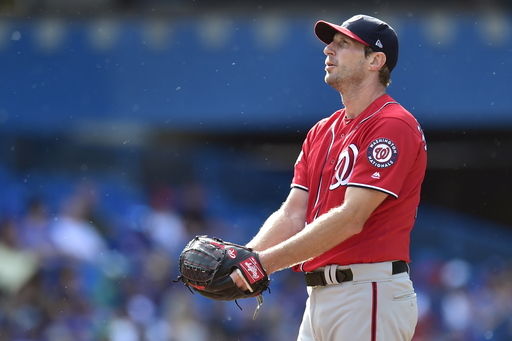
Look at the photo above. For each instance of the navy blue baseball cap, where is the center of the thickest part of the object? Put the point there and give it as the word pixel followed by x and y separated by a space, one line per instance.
pixel 367 30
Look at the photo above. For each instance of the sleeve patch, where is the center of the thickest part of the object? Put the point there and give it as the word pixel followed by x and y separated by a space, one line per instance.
pixel 382 153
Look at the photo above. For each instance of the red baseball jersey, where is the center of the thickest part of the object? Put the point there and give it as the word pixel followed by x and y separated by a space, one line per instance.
pixel 382 149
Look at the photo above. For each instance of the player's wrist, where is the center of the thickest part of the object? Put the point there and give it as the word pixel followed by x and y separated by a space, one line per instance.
pixel 266 262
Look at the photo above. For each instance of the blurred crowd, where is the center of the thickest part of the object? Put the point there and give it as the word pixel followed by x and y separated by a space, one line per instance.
pixel 78 271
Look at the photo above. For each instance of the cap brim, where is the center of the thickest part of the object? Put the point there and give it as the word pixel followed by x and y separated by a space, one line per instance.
pixel 325 31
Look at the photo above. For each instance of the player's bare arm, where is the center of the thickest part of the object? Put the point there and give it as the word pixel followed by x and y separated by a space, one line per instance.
pixel 325 232
pixel 284 223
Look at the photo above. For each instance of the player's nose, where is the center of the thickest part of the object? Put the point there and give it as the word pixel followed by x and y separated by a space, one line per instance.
pixel 328 50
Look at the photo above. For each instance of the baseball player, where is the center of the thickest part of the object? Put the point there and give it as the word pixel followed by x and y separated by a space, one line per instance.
pixel 347 220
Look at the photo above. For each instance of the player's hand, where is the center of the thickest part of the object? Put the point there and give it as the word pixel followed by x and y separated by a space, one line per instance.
pixel 206 266
pixel 239 282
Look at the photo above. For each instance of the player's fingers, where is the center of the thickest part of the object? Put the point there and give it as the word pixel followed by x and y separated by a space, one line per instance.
pixel 238 280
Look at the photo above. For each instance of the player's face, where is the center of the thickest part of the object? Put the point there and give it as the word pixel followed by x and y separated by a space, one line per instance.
pixel 345 62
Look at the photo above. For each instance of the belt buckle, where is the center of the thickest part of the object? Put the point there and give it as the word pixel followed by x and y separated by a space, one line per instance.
pixel 330 274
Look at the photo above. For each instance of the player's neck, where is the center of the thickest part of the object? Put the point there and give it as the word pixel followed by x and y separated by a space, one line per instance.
pixel 357 100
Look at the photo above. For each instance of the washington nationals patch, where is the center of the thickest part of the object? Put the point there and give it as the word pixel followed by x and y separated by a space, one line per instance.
pixel 382 153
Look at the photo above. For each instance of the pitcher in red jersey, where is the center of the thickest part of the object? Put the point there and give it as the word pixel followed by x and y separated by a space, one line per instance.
pixel 347 220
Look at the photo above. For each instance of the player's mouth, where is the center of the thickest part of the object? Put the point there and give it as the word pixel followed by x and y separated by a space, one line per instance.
pixel 329 66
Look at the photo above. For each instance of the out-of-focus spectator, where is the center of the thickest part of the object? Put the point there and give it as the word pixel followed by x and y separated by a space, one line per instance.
pixel 34 229
pixel 17 266
pixel 193 208
pixel 73 235
pixel 162 223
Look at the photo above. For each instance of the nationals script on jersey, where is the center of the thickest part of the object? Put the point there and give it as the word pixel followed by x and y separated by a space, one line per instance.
pixel 383 149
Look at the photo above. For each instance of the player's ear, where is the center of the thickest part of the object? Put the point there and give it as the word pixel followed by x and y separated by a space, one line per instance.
pixel 377 60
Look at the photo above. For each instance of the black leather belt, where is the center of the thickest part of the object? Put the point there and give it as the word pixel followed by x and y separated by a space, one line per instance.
pixel 317 278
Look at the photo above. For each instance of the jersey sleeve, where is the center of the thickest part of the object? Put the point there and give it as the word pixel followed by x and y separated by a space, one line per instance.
pixel 300 174
pixel 386 155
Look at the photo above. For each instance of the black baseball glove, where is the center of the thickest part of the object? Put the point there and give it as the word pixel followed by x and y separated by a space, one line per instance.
pixel 206 264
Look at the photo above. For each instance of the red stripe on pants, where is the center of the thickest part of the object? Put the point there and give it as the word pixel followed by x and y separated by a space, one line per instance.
pixel 374 312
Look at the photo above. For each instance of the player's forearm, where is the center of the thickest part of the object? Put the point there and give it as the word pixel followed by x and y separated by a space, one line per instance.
pixel 327 231
pixel 277 228
pixel 322 235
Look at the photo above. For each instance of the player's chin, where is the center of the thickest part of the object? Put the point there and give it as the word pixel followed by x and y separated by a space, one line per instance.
pixel 329 79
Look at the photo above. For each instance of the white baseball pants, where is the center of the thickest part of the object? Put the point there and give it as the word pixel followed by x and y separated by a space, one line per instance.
pixel 375 306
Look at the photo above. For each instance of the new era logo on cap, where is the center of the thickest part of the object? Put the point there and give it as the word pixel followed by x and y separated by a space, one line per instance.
pixel 379 43
pixel 354 18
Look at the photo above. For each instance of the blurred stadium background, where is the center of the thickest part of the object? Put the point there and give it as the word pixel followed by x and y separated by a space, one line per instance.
pixel 127 127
